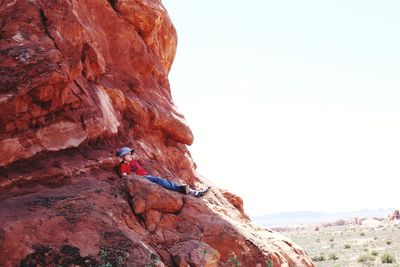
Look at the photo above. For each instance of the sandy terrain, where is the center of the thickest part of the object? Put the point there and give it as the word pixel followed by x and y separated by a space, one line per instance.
pixel 351 245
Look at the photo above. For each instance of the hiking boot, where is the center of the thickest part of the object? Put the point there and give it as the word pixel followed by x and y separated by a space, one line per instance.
pixel 199 193
pixel 184 189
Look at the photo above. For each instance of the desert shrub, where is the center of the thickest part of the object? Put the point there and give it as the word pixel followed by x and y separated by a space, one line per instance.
pixel 388 242
pixel 110 258
pixel 347 246
pixel 233 259
pixel 154 260
pixel 374 253
pixel 333 256
pixel 321 257
pixel 331 239
pixel 388 258
pixel 362 234
pixel 365 258
pixel 103 254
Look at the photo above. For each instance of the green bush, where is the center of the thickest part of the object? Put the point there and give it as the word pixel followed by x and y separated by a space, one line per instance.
pixel 388 258
pixel 388 242
pixel 332 256
pixel 233 259
pixel 374 253
pixel 103 254
pixel 321 257
pixel 268 263
pixel 365 258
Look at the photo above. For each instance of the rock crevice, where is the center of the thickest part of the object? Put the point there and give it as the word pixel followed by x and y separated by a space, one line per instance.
pixel 44 20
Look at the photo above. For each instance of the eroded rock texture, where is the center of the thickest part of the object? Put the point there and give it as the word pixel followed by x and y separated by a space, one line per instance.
pixel 78 79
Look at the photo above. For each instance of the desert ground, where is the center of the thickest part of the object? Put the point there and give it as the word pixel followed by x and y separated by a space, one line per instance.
pixel 373 243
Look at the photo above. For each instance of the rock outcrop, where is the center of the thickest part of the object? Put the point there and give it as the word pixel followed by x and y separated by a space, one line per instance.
pixel 394 216
pixel 78 79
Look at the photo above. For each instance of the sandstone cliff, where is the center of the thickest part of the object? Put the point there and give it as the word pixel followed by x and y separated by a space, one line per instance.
pixel 78 79
pixel 394 216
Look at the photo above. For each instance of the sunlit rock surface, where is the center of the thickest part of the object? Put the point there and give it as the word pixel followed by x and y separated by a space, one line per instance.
pixel 394 216
pixel 79 79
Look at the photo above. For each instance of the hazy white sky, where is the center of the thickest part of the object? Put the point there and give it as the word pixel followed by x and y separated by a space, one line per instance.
pixel 294 104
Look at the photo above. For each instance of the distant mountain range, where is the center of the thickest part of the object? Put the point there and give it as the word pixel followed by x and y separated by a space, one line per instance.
pixel 314 217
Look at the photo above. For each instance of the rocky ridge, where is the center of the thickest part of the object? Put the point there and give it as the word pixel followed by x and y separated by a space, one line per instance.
pixel 78 79
pixel 392 219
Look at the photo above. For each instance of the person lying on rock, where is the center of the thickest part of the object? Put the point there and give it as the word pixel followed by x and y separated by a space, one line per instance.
pixel 129 164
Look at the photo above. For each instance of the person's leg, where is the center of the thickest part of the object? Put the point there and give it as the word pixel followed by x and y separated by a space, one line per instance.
pixel 165 183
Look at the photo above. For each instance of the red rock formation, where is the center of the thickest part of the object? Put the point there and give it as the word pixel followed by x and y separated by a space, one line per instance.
pixel 78 79
pixel 236 201
pixel 394 216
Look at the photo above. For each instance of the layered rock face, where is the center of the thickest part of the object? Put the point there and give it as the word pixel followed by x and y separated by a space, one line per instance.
pixel 394 216
pixel 79 79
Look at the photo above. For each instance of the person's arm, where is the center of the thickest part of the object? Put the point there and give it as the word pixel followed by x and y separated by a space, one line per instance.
pixel 138 169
